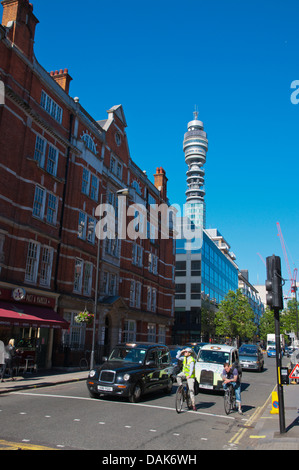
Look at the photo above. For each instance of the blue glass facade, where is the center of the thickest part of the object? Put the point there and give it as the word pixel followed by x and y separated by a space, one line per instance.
pixel 219 275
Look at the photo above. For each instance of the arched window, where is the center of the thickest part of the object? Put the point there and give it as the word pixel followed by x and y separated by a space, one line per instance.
pixel 89 142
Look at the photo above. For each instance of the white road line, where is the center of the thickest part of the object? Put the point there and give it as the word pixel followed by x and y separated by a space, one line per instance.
pixel 143 405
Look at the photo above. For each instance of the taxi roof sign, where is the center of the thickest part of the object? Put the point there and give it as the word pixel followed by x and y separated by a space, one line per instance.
pixel 295 372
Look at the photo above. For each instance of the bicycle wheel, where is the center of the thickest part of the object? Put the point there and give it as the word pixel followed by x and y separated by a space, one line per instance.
pixel 227 400
pixel 83 364
pixel 179 399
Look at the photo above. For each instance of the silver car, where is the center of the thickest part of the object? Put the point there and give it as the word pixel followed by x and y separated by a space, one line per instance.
pixel 251 357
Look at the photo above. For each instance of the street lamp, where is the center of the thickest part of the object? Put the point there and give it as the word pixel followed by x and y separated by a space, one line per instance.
pixel 124 192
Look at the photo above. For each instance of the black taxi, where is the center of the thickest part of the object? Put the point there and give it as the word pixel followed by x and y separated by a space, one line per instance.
pixel 132 370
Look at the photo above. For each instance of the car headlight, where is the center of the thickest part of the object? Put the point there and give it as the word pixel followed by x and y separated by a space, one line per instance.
pixel 92 373
pixel 126 377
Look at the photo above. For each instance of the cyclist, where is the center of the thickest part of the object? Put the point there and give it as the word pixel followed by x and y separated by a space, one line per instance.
pixel 231 375
pixel 188 372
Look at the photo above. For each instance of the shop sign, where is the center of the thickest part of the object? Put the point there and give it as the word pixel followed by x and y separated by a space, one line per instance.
pixel 33 299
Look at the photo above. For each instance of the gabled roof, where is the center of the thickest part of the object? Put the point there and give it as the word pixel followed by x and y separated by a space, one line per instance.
pixel 116 110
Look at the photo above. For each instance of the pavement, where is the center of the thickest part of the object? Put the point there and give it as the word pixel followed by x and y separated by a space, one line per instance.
pixel 260 432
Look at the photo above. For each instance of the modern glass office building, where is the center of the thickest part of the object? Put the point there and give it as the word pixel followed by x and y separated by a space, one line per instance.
pixel 203 277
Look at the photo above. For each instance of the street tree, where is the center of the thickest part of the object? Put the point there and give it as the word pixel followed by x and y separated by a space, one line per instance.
pixel 235 317
pixel 288 317
pixel 267 324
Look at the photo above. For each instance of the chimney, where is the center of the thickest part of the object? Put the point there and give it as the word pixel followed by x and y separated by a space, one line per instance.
pixel 62 78
pixel 19 18
pixel 161 182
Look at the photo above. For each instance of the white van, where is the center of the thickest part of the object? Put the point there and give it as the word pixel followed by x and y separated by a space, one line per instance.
pixel 209 365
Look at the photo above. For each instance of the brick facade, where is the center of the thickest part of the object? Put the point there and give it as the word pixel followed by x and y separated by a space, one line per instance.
pixel 58 164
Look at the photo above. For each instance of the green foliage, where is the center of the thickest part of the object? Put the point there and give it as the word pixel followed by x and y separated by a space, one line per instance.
pixel 267 324
pixel 235 317
pixel 287 320
pixel 288 317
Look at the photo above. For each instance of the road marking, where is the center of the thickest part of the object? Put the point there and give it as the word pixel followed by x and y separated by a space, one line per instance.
pixel 22 445
pixel 143 405
pixel 238 436
pixel 257 437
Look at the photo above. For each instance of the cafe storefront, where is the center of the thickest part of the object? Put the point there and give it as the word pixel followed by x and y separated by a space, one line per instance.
pixel 30 318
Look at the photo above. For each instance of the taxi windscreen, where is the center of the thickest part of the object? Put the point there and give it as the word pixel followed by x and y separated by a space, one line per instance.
pixel 127 354
pixel 216 357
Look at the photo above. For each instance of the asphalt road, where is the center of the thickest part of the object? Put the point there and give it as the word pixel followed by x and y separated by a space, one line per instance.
pixel 64 417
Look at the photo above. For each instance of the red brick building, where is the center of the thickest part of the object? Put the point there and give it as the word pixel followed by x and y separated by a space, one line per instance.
pixel 57 165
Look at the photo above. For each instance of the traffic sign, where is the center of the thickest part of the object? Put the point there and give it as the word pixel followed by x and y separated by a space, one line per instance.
pixel 295 372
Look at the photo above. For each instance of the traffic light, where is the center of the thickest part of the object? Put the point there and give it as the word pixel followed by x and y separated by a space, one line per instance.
pixel 274 282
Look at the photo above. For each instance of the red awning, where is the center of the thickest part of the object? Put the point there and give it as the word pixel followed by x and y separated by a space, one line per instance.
pixel 28 315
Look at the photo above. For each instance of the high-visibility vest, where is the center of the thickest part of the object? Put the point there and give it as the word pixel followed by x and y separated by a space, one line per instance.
pixel 186 366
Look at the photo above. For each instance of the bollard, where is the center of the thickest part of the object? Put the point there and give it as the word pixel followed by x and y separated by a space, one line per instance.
pixel 275 404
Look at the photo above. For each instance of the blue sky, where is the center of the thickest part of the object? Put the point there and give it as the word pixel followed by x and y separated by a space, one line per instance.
pixel 235 61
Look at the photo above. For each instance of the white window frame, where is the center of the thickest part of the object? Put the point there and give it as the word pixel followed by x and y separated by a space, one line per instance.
pixel 85 182
pixel 52 108
pixel 38 209
pixel 94 187
pixel 46 263
pixel 151 332
pixel 52 160
pixel 87 280
pixel 129 331
pixel 51 216
pixel 40 150
pixel 32 261
pixel 162 334
pixel 90 144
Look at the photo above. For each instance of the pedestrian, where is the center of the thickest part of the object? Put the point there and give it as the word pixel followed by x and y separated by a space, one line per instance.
pixel 10 352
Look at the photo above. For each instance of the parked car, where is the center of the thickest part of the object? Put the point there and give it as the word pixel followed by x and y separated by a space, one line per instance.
pixel 209 365
pixel 251 357
pixel 132 370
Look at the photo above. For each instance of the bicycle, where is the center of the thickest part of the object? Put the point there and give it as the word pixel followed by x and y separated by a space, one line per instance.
pixel 182 395
pixel 229 399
